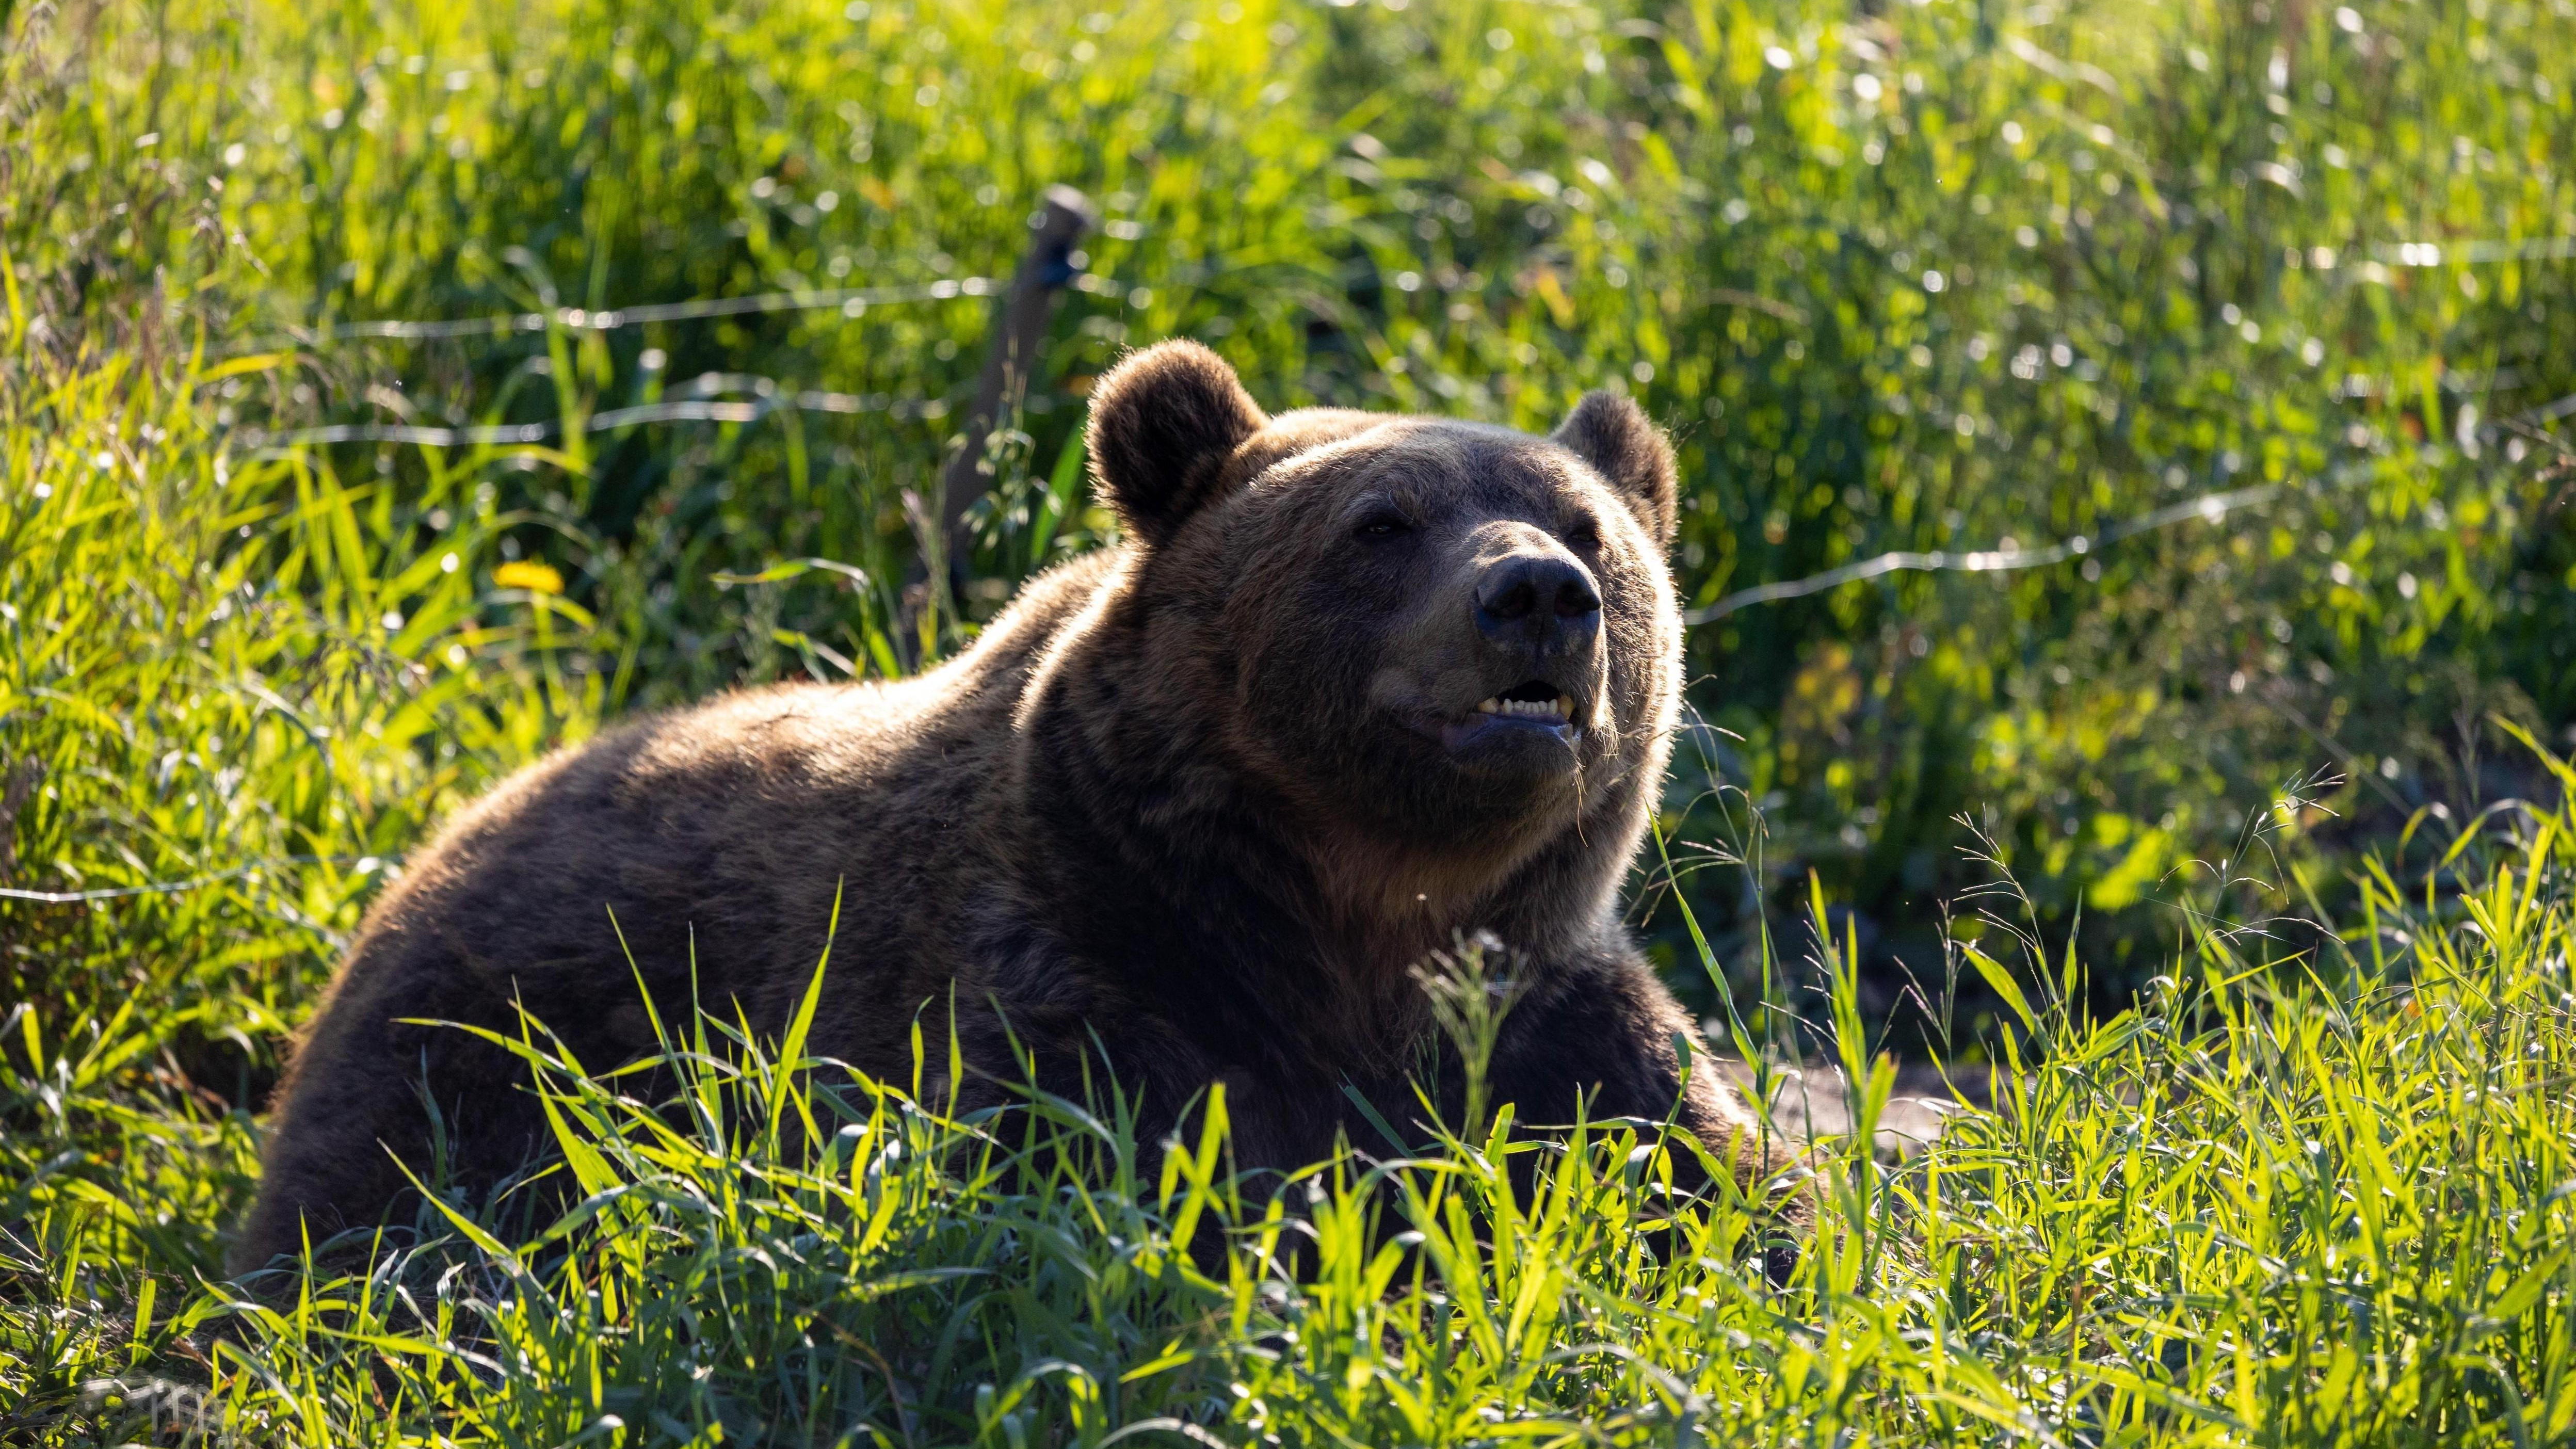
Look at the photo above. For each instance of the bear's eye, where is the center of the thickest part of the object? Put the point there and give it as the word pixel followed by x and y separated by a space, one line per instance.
pixel 1586 534
pixel 1384 523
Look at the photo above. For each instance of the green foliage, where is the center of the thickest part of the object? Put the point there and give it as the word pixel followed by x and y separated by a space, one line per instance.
pixel 1901 277
pixel 2282 1161
pixel 2265 1205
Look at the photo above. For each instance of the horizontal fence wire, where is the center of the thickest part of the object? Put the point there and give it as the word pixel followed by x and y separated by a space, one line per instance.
pixel 855 301
pixel 684 410
pixel 193 883
pixel 117 893
pixel 2435 254
pixel 2209 508
pixel 848 301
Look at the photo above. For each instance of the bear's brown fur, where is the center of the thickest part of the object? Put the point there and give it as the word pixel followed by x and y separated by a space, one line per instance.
pixel 1197 802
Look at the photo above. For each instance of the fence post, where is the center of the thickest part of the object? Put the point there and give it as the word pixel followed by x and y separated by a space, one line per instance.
pixel 1018 330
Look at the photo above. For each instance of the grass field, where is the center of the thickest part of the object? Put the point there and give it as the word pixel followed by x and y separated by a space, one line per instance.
pixel 2263 932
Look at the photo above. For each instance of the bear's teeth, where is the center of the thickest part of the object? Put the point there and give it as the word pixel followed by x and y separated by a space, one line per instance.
pixel 1559 708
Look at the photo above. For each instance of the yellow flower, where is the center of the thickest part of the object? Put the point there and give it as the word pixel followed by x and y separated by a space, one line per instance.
pixel 536 578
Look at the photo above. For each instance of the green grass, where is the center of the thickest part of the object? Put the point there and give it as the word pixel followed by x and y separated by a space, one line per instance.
pixel 2283 1151
pixel 2328 1200
pixel 2178 250
pixel 2293 1196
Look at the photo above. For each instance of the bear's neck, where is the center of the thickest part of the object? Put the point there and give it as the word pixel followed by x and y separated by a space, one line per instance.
pixel 1165 859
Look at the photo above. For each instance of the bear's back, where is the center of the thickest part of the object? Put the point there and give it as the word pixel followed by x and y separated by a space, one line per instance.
pixel 722 835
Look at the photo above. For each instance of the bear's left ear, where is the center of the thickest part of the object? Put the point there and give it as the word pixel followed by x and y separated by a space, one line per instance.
pixel 1609 431
pixel 1163 422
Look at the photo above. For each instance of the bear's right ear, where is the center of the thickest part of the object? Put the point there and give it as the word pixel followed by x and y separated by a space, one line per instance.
pixel 1609 431
pixel 1163 422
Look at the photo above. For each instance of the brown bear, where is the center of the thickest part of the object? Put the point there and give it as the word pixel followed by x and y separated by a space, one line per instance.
pixel 1354 685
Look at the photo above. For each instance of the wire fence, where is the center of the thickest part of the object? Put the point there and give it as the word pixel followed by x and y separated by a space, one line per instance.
pixel 699 407
pixel 703 400
pixel 852 302
pixel 2208 508
pixel 192 883
pixel 769 397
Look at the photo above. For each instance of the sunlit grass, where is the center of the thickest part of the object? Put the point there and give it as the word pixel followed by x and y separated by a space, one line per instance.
pixel 1906 276
pixel 2265 1206
pixel 2317 1199
pixel 2279 1156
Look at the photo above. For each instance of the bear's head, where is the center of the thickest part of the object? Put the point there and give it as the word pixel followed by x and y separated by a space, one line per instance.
pixel 1446 644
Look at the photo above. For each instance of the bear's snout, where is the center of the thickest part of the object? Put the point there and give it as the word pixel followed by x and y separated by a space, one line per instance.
pixel 1521 634
pixel 1546 601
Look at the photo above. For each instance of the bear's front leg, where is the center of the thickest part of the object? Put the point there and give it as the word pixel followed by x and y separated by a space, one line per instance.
pixel 1603 1037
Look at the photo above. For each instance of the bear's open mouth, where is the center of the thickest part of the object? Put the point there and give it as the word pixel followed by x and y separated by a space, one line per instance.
pixel 1534 726
pixel 1530 699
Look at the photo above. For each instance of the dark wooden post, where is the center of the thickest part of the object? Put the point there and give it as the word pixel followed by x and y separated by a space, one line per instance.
pixel 1019 328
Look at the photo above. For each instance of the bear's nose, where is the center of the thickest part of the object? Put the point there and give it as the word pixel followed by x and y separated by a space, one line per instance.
pixel 1537 597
